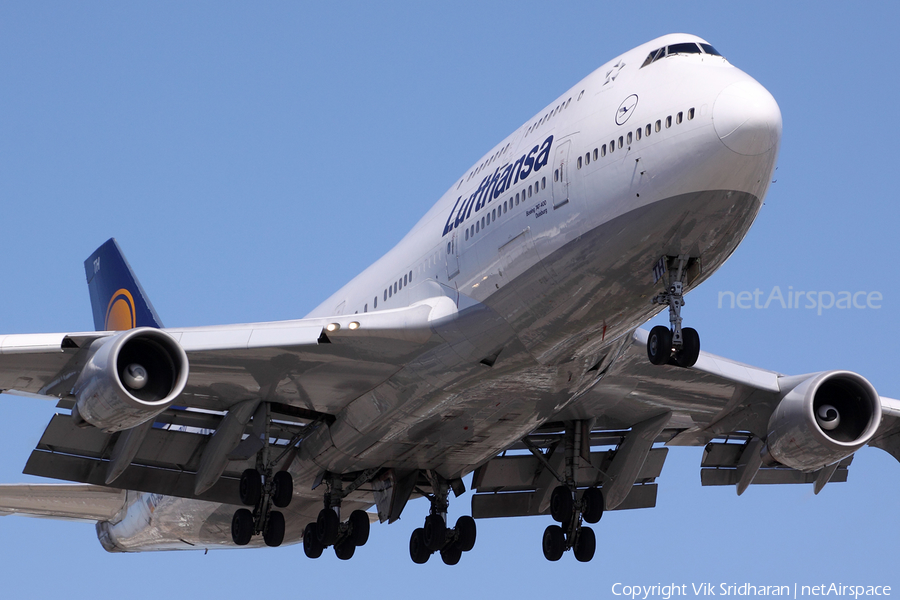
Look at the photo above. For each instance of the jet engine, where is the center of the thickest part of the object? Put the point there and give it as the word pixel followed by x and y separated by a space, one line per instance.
pixel 129 378
pixel 823 419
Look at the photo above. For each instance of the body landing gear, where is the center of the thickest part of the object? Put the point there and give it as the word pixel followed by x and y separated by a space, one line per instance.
pixel 328 530
pixel 674 344
pixel 435 536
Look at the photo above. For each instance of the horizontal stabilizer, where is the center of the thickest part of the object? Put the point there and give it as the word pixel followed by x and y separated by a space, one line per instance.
pixel 61 501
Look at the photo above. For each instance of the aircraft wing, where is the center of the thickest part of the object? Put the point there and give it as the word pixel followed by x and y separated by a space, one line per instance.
pixel 338 358
pixel 629 410
pixel 302 372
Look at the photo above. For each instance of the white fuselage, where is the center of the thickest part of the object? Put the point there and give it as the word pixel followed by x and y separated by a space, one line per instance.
pixel 547 246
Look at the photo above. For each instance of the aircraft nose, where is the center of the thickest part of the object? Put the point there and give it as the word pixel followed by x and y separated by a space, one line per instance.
pixel 747 118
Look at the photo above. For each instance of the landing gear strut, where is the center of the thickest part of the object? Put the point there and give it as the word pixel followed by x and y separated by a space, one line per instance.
pixel 570 511
pixel 262 488
pixel 435 536
pixel 328 530
pixel 674 344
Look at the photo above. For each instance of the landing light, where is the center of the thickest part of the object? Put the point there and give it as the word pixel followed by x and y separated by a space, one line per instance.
pixel 332 326
pixel 353 325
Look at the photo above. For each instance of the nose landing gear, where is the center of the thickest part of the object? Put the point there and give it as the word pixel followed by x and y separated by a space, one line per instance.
pixel 674 345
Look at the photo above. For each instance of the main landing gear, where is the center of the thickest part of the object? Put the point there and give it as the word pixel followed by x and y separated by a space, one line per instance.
pixel 262 488
pixel 674 345
pixel 435 536
pixel 571 534
pixel 328 530
pixel 277 490
pixel 565 507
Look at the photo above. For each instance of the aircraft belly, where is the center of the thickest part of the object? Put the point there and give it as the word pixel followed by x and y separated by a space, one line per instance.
pixel 157 522
pixel 447 410
pixel 603 282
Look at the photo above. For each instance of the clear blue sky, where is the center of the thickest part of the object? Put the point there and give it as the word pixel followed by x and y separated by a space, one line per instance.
pixel 252 157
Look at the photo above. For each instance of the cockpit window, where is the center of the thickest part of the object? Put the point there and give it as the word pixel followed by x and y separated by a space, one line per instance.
pixel 682 48
pixel 685 48
pixel 710 50
pixel 655 55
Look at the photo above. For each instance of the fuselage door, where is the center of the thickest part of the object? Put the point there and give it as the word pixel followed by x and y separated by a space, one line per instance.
pixel 453 255
pixel 560 175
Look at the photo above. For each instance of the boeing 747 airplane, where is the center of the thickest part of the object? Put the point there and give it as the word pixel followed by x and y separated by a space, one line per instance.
pixel 500 338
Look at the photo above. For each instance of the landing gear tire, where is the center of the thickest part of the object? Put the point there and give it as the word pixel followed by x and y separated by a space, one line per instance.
pixel 466 533
pixel 434 532
pixel 586 545
pixel 345 549
pixel 359 527
pixel 561 504
pixel 554 543
pixel 250 488
pixel 451 554
pixel 311 546
pixel 690 350
pixel 274 533
pixel 418 552
pixel 592 505
pixel 242 527
pixel 659 345
pixel 284 489
pixel 327 526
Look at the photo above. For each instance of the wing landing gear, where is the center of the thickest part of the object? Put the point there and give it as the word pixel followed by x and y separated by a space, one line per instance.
pixel 674 345
pixel 262 488
pixel 566 508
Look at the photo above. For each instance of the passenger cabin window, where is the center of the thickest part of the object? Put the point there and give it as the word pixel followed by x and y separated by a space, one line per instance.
pixel 579 162
pixel 679 118
pixel 595 153
pixel 690 114
pixel 629 138
pixel 658 126
pixel 668 121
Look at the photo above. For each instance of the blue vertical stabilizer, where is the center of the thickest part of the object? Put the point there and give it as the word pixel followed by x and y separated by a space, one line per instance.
pixel 117 298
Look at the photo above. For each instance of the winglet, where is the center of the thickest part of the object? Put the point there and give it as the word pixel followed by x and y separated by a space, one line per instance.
pixel 117 298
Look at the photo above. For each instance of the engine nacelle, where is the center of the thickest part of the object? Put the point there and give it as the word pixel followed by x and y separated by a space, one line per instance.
pixel 130 378
pixel 825 418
